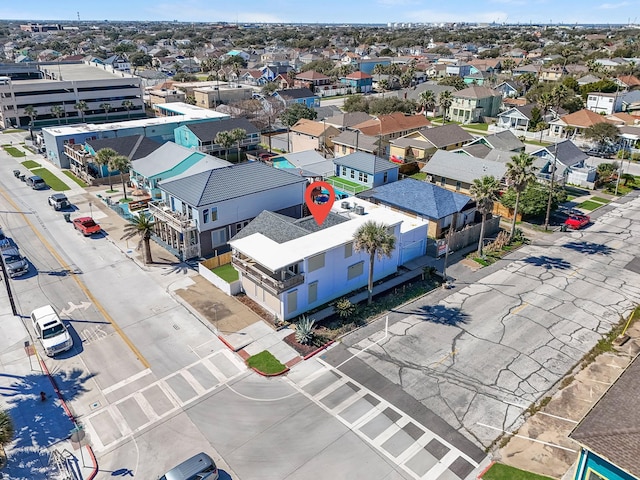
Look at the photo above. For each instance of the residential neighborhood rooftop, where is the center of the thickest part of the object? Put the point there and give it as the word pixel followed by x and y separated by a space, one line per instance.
pixel 365 162
pixel 462 167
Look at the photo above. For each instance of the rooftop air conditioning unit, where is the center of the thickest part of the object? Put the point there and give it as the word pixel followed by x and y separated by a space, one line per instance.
pixel 345 205
pixel 359 210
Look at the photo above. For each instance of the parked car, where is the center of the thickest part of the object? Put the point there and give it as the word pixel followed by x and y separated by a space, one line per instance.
pixel 15 263
pixel 59 201
pixel 53 334
pixel 200 466
pixel 36 182
pixel 86 225
pixel 576 221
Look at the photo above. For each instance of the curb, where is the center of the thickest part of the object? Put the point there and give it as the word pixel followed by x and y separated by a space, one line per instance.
pixel 228 345
pixel 270 374
pixel 315 352
pixel 71 417
pixel 481 474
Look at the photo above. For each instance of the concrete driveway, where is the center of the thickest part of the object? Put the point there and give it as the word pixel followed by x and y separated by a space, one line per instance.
pixel 478 355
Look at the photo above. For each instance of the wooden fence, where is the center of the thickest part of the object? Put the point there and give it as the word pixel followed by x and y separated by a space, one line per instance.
pixel 222 259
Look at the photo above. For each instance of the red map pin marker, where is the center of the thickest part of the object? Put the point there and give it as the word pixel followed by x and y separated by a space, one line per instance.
pixel 319 202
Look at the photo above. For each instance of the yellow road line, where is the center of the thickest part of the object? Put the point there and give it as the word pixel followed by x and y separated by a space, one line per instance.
pixel 452 354
pixel 82 286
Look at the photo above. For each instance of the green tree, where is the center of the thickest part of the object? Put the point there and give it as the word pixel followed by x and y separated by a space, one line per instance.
pixel 58 112
pixel 445 99
pixel 140 59
pixel 238 135
pixel 527 80
pixel 191 100
pixel 128 105
pixel 602 133
pixel 484 191
pixel 81 107
pixel 534 199
pixel 520 173
pixel 292 114
pixel 106 106
pixel 454 81
pixel 268 88
pixel 142 227
pixel 32 113
pixel 427 100
pixel 376 240
pixel 226 140
pixel 356 103
pixel 7 429
pixel 122 164
pixel 104 157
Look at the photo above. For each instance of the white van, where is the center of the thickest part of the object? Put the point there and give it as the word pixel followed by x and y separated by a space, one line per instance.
pixel 51 331
pixel 198 467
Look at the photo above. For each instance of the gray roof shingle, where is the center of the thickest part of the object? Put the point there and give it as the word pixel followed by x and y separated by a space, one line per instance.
pixel 612 428
pixel 504 140
pixel 421 198
pixel 207 131
pixel 229 182
pixel 566 153
pixel 462 167
pixel 133 147
pixel 365 162
pixel 163 159
pixel 446 135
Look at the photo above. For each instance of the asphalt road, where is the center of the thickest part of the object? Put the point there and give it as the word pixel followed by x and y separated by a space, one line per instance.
pixel 478 355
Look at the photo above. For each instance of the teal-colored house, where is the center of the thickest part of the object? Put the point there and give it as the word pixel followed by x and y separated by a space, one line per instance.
pixel 359 81
pixel 360 171
pixel 609 434
pixel 201 137
pixel 168 161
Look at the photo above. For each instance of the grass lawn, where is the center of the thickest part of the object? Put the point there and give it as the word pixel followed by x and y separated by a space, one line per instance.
pixel 589 205
pixel 477 126
pixel 74 178
pixel 346 185
pixel 54 182
pixel 599 199
pixel 14 131
pixel 570 197
pixel 14 152
pixel 420 176
pixel 505 472
pixel 265 362
pixel 30 164
pixel 226 272
pixel 535 142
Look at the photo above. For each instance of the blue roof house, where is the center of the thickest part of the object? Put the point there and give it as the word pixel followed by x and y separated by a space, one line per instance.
pixel 441 207
pixel 297 95
pixel 360 171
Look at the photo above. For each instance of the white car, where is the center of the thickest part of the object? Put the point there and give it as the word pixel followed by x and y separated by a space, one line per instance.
pixel 53 334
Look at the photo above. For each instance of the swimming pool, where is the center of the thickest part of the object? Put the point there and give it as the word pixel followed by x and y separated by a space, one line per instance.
pixel 283 163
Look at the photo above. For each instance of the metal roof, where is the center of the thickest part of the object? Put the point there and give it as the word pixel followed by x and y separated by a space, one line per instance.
pixel 229 182
pixel 464 168
pixel 365 162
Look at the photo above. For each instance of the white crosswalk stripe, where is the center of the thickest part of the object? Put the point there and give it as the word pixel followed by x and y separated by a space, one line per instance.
pixel 97 423
pixel 410 445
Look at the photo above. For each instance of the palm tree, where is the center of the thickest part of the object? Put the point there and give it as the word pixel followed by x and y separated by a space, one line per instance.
pixel 384 85
pixel 106 106
pixel 520 173
pixel 238 135
pixel 141 226
pixel 7 429
pixel 226 140
pixel 560 93
pixel 82 107
pixel 445 99
pixel 128 105
pixel 122 164
pixel 508 65
pixel 104 157
pixel 378 69
pixel 484 191
pixel 57 111
pixel 377 240
pixel 427 100
pixel 32 113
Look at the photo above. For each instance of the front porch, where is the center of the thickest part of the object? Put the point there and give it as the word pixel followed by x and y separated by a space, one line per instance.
pixel 175 230
pixel 273 282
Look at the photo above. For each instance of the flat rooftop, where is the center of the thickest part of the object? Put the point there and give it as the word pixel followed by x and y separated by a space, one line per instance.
pixel 73 72
pixel 276 256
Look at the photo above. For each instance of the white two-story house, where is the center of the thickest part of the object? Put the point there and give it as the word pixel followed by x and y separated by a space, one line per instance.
pixel 291 266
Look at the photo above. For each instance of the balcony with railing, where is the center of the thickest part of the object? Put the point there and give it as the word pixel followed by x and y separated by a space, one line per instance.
pixel 178 221
pixel 276 283
pixel 176 230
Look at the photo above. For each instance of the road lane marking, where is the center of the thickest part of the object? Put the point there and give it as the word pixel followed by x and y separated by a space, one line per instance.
pixel 80 284
pixel 126 381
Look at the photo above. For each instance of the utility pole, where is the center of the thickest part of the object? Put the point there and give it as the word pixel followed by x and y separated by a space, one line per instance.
pixel 551 185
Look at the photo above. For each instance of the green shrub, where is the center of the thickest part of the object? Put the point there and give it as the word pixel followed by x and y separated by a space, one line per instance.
pixel 304 330
pixel 344 308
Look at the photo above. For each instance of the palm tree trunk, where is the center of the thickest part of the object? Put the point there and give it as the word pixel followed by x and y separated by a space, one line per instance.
pixel 515 216
pixel 146 244
pixel 124 187
pixel 481 241
pixel 372 256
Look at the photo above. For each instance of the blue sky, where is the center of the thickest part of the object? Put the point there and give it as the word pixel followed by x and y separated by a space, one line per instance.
pixel 331 11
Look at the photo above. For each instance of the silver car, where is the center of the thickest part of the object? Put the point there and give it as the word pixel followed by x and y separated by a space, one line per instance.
pixel 15 263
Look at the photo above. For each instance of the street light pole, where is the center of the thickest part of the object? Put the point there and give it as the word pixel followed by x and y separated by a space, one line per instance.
pixel 553 177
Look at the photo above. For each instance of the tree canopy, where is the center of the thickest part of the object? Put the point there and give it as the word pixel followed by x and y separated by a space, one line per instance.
pixel 295 112
pixel 534 198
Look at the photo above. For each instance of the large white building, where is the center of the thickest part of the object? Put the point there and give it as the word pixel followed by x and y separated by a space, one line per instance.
pixel 66 85
pixel 291 266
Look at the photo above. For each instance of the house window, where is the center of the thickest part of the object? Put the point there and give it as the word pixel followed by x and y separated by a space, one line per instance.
pixel 386 177
pixel 344 151
pixel 594 476
pixel 366 178
pixel 353 174
pixel 355 270
pixel 205 216
pixel 458 185
pixel 344 170
pixel 360 177
pixel 292 301
pixel 313 292
pixel 316 262
pixel 241 225
pixel 214 214
pixel 219 237
pixel 348 250
pixel 442 181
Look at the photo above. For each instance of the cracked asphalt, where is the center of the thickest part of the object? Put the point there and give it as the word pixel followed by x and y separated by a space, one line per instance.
pixel 479 354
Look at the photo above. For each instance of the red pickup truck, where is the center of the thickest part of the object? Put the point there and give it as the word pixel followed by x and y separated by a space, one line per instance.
pixel 576 221
pixel 86 225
